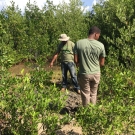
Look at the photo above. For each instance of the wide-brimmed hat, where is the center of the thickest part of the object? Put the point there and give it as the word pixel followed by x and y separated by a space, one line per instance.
pixel 63 37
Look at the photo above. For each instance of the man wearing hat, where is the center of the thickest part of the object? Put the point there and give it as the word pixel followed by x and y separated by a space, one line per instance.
pixel 66 47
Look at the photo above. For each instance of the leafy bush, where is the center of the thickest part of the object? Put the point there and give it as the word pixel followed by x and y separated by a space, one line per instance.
pixel 25 102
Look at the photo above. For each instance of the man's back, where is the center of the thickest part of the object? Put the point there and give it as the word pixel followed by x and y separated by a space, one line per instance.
pixel 66 51
pixel 89 51
pixel 90 55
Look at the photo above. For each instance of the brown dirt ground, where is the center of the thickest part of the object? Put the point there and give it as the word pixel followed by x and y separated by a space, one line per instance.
pixel 73 101
pixel 16 69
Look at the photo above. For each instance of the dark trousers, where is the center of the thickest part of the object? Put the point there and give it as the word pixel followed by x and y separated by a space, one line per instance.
pixel 69 66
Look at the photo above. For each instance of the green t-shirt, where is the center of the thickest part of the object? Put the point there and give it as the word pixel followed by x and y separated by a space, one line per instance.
pixel 89 52
pixel 67 51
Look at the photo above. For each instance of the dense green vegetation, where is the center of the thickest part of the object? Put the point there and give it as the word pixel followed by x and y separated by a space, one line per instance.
pixel 33 35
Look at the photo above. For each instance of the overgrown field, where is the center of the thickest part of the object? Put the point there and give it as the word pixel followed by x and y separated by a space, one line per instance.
pixel 31 97
pixel 28 99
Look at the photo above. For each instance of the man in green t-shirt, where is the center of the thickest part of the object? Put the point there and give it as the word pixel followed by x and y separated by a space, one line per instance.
pixel 89 56
pixel 66 47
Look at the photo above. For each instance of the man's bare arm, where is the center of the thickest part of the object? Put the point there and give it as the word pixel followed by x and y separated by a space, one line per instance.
pixel 54 58
pixel 101 61
pixel 76 59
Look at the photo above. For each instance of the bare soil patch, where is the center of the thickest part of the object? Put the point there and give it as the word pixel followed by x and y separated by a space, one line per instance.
pixel 17 69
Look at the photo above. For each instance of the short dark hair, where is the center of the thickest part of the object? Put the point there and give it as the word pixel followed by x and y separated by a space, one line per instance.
pixel 94 29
